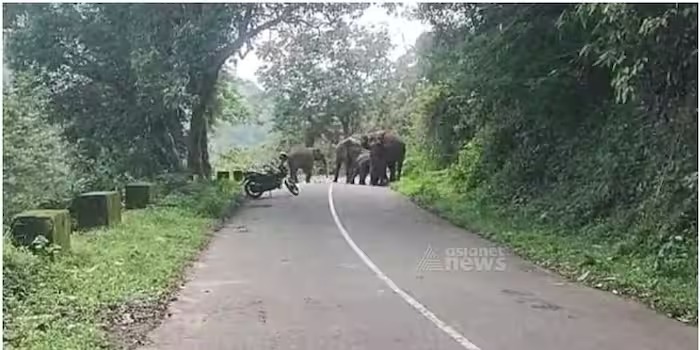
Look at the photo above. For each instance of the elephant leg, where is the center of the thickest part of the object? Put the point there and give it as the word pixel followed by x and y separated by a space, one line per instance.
pixel 363 176
pixel 375 177
pixel 399 166
pixel 383 179
pixel 385 182
pixel 308 175
pixel 293 172
pixel 308 171
pixel 348 172
pixel 375 173
pixel 337 170
pixel 392 172
pixel 353 174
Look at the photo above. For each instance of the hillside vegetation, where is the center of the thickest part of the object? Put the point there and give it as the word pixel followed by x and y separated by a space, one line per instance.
pixel 570 133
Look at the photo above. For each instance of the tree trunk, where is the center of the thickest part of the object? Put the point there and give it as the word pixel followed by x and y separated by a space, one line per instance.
pixel 198 151
pixel 203 85
pixel 194 152
pixel 204 147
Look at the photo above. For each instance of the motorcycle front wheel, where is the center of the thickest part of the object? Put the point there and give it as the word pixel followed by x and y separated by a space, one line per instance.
pixel 292 187
pixel 252 189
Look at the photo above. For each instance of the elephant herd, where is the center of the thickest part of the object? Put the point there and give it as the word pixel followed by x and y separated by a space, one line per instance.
pixel 369 155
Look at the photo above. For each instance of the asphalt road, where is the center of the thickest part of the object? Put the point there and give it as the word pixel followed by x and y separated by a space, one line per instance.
pixel 373 271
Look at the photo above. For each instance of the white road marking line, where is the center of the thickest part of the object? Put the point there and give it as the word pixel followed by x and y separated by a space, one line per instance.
pixel 462 340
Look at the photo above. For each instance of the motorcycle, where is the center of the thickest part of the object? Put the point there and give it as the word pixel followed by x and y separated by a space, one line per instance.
pixel 256 183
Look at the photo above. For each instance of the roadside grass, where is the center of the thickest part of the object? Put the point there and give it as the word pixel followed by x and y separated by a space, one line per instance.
pixel 60 302
pixel 578 256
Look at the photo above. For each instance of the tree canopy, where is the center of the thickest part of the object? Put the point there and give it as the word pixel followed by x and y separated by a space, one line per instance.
pixel 324 80
pixel 136 85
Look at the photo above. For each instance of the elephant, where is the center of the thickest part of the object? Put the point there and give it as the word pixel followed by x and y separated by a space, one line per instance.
pixel 386 150
pixel 346 152
pixel 377 167
pixel 304 158
pixel 361 168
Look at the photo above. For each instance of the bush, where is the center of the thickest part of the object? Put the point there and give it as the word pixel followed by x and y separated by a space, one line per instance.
pixel 466 172
pixel 204 198
pixel 243 158
pixel 168 182
pixel 19 272
pixel 36 169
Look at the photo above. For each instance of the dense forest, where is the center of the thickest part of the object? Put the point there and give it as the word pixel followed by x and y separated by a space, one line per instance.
pixel 566 131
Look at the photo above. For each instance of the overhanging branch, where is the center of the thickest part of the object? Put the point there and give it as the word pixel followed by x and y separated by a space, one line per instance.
pixel 247 34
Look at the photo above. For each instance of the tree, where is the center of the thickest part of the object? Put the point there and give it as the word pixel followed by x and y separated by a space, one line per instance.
pixel 223 30
pixel 115 67
pixel 397 91
pixel 324 80
pixel 254 129
pixel 35 170
pixel 116 87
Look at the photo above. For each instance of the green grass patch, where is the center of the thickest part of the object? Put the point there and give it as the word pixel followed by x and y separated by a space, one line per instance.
pixel 59 302
pixel 607 264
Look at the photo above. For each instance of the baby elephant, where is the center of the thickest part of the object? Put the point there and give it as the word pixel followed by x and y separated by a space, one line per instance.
pixel 361 168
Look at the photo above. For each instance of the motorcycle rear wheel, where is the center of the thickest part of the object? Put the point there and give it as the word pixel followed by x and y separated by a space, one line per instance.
pixel 292 187
pixel 252 190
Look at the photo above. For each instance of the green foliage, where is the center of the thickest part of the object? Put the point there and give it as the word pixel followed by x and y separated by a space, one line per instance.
pixel 35 166
pixel 228 105
pixel 19 272
pixel 253 131
pixel 324 80
pixel 59 304
pixel 578 120
pixel 125 79
pixel 207 199
pixel 114 88
pixel 168 182
pixel 634 42
pixel 552 136
pixel 466 170
pixel 242 158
